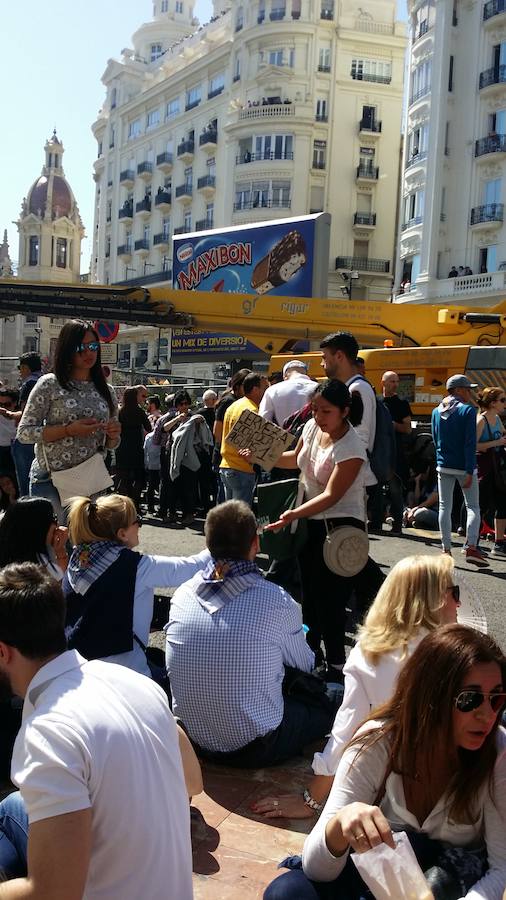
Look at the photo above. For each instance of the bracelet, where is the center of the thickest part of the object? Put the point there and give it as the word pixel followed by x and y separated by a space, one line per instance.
pixel 308 800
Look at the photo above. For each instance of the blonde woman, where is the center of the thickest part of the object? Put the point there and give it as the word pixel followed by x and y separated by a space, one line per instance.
pixel 491 439
pixel 109 587
pixel 418 595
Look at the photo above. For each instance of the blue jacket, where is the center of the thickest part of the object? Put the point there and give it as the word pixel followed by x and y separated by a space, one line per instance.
pixel 454 434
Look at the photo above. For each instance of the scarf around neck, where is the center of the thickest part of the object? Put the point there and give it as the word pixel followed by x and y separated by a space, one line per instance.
pixel 89 561
pixel 224 579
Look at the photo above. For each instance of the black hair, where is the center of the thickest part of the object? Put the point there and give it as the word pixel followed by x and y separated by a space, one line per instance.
pixel 155 400
pixel 23 530
pixel 237 379
pixel 337 393
pixel 69 338
pixel 32 360
pixel 32 611
pixel 344 341
pixel 182 397
pixel 252 381
pixel 13 395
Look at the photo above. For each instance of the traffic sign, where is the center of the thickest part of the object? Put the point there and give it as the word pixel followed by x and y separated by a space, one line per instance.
pixel 106 331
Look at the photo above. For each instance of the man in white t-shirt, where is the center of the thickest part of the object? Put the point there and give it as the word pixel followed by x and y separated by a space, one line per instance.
pixel 97 762
pixel 288 396
pixel 339 360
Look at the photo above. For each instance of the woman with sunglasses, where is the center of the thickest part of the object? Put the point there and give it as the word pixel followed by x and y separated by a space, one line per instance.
pixel 430 762
pixel 109 587
pixel 29 532
pixel 418 596
pixel 71 414
pixel 491 439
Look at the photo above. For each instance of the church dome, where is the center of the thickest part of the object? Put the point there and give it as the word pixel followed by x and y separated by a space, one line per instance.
pixel 61 197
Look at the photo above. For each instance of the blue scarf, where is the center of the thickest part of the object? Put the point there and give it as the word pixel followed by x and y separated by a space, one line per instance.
pixel 89 561
pixel 223 579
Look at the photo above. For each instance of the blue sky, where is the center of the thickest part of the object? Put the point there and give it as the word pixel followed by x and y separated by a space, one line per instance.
pixel 53 56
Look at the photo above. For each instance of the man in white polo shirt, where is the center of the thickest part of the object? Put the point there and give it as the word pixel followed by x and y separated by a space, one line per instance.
pixel 282 400
pixel 97 762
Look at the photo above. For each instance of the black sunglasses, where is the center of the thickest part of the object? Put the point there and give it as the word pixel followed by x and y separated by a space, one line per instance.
pixel 467 701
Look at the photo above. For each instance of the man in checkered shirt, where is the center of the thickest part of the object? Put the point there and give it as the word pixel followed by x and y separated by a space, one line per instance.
pixel 229 637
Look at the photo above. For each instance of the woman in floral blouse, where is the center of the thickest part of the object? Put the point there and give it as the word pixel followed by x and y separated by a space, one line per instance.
pixel 71 414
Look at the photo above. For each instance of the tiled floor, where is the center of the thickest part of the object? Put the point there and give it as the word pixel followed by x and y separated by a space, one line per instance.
pixel 235 852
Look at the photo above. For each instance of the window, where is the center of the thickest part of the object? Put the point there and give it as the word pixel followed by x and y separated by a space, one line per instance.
pixel 164 7
pixel 261 194
pixel 166 226
pixel 274 146
pixel 492 191
pixel 421 80
pixel 108 211
pixel 239 20
pixel 33 252
pixel 156 51
pixel 141 353
pixel 100 149
pixel 209 214
pixel 413 207
pixel 211 167
pixel 152 119
pixel 134 129
pixel 179 6
pixel 371 70
pixel 418 141
pixel 146 233
pixel 450 75
pixel 278 10
pixel 321 110
pixel 237 67
pixel 108 245
pixel 281 193
pixel 324 59
pixel 327 9
pixel 319 154
pixel 296 8
pixel 261 12
pixel 128 240
pixel 31 320
pixel 114 97
pixel 275 57
pixel 488 259
pixel 187 219
pixel 30 345
pixel 188 177
pixel 172 108
pixel 124 355
pixel 112 136
pixel 61 253
pixel 193 96
pixel 216 84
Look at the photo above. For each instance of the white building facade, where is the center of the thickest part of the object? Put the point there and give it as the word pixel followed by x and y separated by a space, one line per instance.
pixel 454 169
pixel 273 109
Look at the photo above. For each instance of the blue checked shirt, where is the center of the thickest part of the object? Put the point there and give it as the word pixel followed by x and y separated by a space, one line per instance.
pixel 226 661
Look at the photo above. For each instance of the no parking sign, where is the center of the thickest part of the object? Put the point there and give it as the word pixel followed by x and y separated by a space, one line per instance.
pixel 107 331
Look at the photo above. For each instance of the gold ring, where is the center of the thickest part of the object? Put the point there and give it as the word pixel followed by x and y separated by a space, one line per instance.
pixel 358 837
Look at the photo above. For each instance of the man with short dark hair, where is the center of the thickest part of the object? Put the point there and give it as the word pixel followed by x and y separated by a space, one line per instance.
pixel 237 474
pixel 96 743
pixel 154 411
pixel 230 636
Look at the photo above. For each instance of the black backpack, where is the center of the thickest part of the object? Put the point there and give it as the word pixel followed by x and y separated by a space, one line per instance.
pixel 382 457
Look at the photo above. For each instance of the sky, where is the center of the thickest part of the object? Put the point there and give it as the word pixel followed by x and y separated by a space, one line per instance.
pixel 53 57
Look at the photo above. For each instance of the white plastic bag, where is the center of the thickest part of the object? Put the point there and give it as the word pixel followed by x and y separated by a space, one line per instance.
pixel 393 874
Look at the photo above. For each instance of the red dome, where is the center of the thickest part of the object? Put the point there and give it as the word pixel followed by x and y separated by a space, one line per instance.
pixel 61 200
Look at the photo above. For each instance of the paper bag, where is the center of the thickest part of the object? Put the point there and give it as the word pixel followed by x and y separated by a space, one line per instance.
pixel 393 874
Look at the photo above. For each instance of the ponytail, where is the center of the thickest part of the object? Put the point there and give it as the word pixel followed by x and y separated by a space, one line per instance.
pixel 101 519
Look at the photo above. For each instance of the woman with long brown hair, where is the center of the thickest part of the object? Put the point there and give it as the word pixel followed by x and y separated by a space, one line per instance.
pixel 431 762
pixel 491 441
pixel 130 475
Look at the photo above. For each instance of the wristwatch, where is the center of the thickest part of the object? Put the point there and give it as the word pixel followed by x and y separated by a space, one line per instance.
pixel 308 800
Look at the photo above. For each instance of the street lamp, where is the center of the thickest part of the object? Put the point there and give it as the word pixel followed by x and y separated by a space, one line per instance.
pixel 349 278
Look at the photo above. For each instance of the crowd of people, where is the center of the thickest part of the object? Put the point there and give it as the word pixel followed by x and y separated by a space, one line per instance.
pixel 106 732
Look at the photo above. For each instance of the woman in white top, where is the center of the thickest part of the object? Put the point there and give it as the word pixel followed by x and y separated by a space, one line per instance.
pixel 431 762
pixel 417 596
pixel 332 459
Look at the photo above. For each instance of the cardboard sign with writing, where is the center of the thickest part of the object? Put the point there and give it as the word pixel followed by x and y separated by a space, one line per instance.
pixel 266 440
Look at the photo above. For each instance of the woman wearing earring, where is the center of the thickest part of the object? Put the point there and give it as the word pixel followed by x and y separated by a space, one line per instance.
pixel 71 414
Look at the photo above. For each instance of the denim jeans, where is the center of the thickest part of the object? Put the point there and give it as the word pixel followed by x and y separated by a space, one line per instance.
pixel 13 836
pixel 446 483
pixel 238 485
pixel 22 455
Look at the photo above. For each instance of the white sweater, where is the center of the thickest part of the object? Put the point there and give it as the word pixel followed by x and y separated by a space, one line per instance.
pixel 361 783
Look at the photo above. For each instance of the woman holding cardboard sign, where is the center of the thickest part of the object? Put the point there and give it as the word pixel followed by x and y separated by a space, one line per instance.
pixel 334 560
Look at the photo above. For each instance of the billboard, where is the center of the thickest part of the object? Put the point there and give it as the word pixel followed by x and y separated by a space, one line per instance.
pixel 282 257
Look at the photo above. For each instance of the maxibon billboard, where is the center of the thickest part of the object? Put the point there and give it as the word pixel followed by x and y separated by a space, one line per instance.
pixel 283 257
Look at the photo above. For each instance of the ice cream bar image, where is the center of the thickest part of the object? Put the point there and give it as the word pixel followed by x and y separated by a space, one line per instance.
pixel 283 261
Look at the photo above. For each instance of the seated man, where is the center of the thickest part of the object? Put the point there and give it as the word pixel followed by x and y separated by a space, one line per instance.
pixel 97 762
pixel 229 637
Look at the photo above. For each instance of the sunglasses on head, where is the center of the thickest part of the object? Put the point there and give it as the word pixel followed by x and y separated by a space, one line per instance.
pixel 467 701
pixel 94 346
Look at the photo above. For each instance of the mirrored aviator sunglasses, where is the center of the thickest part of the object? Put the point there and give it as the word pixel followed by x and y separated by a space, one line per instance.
pixel 94 346
pixel 467 701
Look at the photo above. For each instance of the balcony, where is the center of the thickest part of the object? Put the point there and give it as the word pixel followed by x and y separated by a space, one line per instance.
pixel 126 212
pixel 327 14
pixel 324 68
pixel 127 178
pixel 410 223
pixel 184 192
pixel 164 161
pixel 423 92
pixel 142 247
pixel 268 111
pixel 490 215
pixel 372 77
pixel 181 229
pixel 145 170
pixel 321 117
pixel 364 220
pixel 271 156
pixel 494 143
pixel 416 159
pixel 363 264
pixel 185 150
pixel 125 251
pixel 207 184
pixel 163 200
pixel 369 128
pixel 241 205
pixel 492 9
pixel 491 78
pixel 204 224
pixel 143 207
pixel 208 139
pixel 162 240
pixel 367 173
